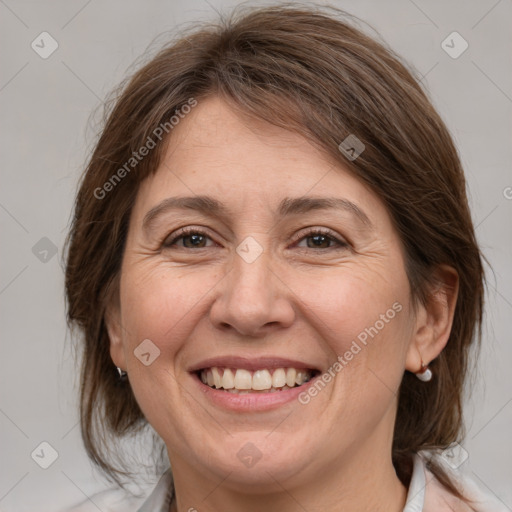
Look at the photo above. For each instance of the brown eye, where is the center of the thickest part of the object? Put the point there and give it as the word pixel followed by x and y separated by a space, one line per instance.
pixel 190 239
pixel 320 239
pixel 195 240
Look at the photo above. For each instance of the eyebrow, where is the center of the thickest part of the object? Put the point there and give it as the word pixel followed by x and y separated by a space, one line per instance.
pixel 288 206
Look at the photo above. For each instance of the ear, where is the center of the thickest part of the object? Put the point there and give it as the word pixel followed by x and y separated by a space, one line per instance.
pixel 113 324
pixel 434 319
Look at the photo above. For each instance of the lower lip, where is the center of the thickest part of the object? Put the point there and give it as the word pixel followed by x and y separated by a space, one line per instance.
pixel 252 402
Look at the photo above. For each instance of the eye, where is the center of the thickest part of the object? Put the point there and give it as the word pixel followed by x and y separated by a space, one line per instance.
pixel 320 239
pixel 191 238
pixel 195 238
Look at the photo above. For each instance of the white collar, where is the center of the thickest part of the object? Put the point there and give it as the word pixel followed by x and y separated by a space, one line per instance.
pixel 416 493
pixel 160 499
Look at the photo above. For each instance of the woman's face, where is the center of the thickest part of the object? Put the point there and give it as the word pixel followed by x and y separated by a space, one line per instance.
pixel 290 269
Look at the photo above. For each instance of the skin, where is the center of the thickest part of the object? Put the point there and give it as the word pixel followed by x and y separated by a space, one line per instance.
pixel 295 300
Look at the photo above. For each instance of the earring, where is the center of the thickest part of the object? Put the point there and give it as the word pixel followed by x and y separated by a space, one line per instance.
pixel 425 374
pixel 122 374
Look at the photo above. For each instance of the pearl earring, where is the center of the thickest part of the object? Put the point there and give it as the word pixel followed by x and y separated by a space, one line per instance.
pixel 425 374
pixel 122 373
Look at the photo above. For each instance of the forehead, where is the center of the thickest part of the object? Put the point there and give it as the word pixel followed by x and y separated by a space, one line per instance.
pixel 247 163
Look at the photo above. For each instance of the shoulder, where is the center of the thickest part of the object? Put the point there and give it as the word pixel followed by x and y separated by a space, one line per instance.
pixel 157 499
pixel 439 499
pixel 115 500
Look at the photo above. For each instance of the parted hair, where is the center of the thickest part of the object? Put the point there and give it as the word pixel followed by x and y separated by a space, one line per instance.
pixel 313 71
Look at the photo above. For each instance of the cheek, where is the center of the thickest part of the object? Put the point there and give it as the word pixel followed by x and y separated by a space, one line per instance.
pixel 362 317
pixel 161 304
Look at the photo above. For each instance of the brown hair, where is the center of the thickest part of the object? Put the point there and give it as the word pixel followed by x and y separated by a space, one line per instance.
pixel 305 70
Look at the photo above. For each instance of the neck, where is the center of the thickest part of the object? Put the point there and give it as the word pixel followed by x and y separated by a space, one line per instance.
pixel 359 484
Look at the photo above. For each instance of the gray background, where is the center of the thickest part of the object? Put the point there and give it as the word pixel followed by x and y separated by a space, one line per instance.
pixel 45 108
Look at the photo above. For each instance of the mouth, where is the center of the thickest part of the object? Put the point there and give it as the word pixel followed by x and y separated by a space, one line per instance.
pixel 264 380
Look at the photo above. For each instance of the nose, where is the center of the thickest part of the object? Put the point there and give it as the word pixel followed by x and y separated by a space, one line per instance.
pixel 253 299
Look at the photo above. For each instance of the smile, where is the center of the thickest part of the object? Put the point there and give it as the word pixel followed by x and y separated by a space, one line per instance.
pixel 243 381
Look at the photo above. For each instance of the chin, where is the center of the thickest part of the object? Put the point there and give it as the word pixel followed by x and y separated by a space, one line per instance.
pixel 256 461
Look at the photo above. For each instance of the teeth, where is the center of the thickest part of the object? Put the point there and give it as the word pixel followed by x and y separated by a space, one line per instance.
pixel 217 379
pixel 246 391
pixel 261 380
pixel 278 378
pixel 243 381
pixel 228 380
pixel 300 377
pixel 290 377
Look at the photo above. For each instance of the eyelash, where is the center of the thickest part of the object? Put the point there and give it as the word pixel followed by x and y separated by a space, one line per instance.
pixel 183 233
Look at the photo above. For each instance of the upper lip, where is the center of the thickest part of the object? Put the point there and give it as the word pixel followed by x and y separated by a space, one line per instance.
pixel 254 363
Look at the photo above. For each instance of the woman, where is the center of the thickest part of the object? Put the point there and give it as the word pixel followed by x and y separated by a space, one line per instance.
pixel 273 265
